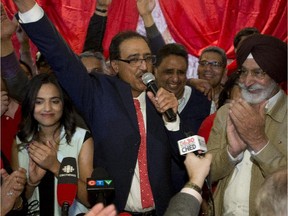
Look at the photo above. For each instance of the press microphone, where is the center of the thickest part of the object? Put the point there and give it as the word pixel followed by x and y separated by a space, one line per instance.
pixel 149 80
pixel 197 145
pixel 67 184
pixel 100 187
pixel 194 144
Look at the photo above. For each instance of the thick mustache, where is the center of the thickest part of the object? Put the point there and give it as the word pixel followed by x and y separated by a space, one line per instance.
pixel 251 88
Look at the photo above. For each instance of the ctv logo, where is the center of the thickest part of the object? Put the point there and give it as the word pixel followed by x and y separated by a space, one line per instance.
pixel 100 183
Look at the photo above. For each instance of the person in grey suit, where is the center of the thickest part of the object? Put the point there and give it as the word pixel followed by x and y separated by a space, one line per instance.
pixel 187 202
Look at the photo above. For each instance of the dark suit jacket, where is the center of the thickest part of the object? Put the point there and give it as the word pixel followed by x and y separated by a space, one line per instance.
pixel 107 106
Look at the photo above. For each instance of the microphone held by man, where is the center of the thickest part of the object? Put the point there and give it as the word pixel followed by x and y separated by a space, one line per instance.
pixel 149 80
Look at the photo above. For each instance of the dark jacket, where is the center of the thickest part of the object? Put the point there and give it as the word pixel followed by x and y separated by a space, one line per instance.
pixel 106 104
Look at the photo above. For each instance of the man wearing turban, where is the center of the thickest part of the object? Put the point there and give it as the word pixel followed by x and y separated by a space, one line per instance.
pixel 248 140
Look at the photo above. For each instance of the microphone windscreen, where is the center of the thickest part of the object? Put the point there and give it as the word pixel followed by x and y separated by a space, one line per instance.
pixel 67 181
pixel 148 77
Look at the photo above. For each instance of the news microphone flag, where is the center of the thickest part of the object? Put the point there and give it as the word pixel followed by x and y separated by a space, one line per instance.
pixel 100 180
pixel 100 186
pixel 192 144
pixel 195 144
pixel 67 183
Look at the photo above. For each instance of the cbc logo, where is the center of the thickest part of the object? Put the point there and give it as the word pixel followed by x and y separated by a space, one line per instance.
pixel 68 169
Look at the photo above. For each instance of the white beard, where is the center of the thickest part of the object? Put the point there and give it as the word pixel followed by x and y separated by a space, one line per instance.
pixel 264 94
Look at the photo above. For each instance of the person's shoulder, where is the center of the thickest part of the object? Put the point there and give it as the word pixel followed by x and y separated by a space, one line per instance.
pixel 283 95
pixel 81 130
pixel 83 133
pixel 222 112
pixel 196 94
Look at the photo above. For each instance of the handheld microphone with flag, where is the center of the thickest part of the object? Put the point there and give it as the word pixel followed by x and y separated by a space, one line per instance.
pixel 197 145
pixel 149 80
pixel 100 187
pixel 67 184
pixel 192 144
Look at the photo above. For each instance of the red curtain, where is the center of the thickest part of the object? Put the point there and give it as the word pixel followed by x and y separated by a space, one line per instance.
pixel 194 23
pixel 122 15
pixel 200 23
pixel 71 17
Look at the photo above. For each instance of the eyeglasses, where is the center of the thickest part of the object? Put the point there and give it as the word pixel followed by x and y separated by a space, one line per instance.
pixel 136 62
pixel 257 73
pixel 213 64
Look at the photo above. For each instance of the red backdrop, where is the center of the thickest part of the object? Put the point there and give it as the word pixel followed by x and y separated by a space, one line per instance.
pixel 194 23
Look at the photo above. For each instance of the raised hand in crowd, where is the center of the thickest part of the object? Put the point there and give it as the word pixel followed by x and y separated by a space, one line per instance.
pixel 145 8
pixel 25 52
pixel 8 27
pixel 103 4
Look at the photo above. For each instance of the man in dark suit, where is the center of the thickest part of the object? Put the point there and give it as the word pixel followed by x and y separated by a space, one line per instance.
pixel 108 108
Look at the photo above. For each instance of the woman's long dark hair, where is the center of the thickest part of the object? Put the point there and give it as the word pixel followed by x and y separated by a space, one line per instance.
pixel 28 128
pixel 226 91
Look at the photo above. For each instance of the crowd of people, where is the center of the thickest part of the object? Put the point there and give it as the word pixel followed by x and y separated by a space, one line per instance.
pixel 100 112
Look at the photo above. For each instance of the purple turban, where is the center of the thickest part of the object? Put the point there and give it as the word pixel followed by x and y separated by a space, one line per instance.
pixel 269 52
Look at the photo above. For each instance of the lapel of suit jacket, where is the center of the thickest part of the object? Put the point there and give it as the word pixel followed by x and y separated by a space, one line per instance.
pixel 124 91
pixel 152 119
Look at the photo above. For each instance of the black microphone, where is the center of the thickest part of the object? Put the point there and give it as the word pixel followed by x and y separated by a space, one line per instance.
pixel 100 187
pixel 149 80
pixel 67 184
